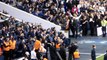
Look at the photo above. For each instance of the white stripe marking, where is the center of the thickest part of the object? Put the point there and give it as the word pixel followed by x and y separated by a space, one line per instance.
pixel 90 53
pixel 100 55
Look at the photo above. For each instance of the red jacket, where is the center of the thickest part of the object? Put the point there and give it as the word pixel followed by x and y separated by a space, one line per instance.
pixel 74 10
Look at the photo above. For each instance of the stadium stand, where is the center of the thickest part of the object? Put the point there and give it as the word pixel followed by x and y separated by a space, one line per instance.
pixel 25 35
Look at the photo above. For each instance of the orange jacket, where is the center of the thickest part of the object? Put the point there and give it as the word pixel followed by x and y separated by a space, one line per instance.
pixel 76 54
pixel 57 46
pixel 37 44
pixel 1 51
pixel 6 46
pixel 12 44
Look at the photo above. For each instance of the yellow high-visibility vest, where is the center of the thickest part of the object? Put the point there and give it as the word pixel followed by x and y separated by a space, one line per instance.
pixel 37 44
pixel 12 44
pixel 7 48
pixel 104 23
pixel 76 54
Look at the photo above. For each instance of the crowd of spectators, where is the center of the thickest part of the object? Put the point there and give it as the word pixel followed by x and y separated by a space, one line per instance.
pixel 76 15
pixel 51 10
pixel 32 41
pixel 59 12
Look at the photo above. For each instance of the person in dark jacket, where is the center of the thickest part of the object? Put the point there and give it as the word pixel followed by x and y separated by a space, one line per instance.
pixel 93 53
pixel 84 26
pixel 63 52
pixel 72 49
pixel 53 54
pixel 92 27
pixel 105 56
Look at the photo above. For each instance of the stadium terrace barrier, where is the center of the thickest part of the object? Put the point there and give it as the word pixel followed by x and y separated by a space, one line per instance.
pixel 27 17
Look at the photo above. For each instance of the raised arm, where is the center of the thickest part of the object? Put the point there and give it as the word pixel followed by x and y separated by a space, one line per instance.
pixel 70 14
pixel 80 15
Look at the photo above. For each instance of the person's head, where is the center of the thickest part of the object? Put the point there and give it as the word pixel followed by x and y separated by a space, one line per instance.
pixel 1 37
pixel 72 43
pixel 106 51
pixel 93 46
pixel 74 5
pixel 35 38
pixel 75 42
pixel 67 17
pixel 7 38
pixel 27 54
pixel 11 37
pixel 77 50
pixel 3 28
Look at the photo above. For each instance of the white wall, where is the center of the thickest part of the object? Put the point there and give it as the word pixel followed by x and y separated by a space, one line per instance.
pixel 99 31
pixel 27 17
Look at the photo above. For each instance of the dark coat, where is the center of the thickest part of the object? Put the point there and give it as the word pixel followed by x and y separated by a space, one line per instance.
pixel 53 54
pixel 62 53
pixel 72 49
pixel 93 54
pixel 105 56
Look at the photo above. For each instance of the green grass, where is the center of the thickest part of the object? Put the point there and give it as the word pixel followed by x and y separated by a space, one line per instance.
pixel 100 58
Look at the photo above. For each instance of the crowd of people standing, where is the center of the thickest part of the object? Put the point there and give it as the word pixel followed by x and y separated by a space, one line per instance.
pixel 24 39
pixel 82 17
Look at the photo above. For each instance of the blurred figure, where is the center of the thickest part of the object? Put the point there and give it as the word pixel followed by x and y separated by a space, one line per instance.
pixel 12 43
pixel 74 10
pixel 73 47
pixel 93 52
pixel 75 24
pixel 105 56
pixel 44 58
pixel 57 46
pixel 33 54
pixel 104 24
pixel 92 26
pixel 1 51
pixel 37 46
pixel 76 55
pixel 84 26
pixel 6 49
pixel 42 51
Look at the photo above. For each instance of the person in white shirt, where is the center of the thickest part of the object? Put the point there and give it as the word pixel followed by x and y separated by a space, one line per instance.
pixel 76 24
pixel 42 49
pixel 102 9
pixel 33 55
